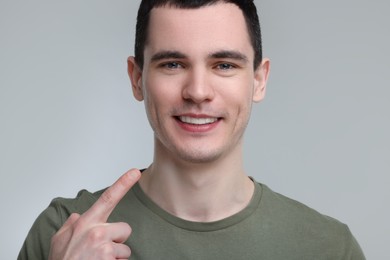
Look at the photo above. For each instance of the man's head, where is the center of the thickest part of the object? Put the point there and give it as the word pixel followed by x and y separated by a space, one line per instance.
pixel 247 7
pixel 198 81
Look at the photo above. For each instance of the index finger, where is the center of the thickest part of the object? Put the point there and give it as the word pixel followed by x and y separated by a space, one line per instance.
pixel 102 208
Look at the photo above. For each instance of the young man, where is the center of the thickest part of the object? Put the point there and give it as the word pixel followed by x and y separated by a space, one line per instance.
pixel 198 68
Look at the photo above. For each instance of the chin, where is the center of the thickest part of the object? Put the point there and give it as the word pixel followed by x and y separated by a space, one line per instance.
pixel 199 157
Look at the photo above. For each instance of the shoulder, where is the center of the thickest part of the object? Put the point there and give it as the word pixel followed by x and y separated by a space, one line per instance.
pixel 297 223
pixel 61 208
pixel 37 242
pixel 81 203
pixel 288 208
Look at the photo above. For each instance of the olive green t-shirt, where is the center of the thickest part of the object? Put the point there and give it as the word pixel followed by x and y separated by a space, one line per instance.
pixel 271 227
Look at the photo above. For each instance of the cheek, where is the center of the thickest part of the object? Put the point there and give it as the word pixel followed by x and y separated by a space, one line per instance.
pixel 238 92
pixel 163 90
pixel 158 97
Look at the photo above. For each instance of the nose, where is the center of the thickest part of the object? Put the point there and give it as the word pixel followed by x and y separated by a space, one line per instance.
pixel 198 86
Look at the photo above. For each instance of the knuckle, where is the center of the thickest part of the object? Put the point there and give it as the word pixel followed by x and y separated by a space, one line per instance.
pixel 130 230
pixel 127 228
pixel 106 197
pixel 96 234
pixel 128 253
pixel 107 249
pixel 78 227
pixel 74 216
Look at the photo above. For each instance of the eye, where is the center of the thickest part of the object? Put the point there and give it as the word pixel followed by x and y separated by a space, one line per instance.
pixel 225 66
pixel 171 65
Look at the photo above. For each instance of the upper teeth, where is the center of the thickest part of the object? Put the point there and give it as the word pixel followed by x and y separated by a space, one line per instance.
pixel 197 121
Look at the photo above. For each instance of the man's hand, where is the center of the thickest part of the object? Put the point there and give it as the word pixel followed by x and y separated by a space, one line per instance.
pixel 88 236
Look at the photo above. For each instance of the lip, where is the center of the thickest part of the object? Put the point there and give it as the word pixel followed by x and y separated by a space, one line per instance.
pixel 197 123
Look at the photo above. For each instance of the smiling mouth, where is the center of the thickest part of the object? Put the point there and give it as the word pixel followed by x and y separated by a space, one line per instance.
pixel 197 121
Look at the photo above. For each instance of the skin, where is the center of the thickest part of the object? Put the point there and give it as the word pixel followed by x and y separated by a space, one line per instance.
pixel 198 65
pixel 197 70
pixel 88 236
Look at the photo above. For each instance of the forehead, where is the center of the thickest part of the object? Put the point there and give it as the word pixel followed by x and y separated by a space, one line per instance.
pixel 217 27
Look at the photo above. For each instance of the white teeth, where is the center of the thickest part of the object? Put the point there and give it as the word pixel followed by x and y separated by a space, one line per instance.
pixel 197 121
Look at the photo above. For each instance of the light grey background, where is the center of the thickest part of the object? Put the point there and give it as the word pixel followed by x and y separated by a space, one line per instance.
pixel 68 119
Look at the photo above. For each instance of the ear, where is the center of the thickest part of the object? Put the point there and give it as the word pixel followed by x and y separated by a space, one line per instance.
pixel 135 75
pixel 261 77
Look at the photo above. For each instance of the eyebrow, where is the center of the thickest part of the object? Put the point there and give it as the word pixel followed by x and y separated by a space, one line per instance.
pixel 163 55
pixel 235 55
pixel 224 54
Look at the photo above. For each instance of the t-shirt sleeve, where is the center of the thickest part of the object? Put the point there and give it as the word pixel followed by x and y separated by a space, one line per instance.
pixel 353 250
pixel 37 242
pixel 356 250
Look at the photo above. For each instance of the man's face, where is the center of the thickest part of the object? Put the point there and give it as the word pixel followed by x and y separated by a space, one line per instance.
pixel 198 81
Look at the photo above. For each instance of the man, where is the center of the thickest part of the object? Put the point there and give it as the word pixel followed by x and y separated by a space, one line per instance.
pixel 198 67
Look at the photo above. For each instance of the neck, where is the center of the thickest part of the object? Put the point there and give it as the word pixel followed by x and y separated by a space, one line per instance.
pixel 201 192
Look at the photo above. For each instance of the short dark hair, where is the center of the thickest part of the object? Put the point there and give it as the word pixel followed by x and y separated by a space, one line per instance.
pixel 247 7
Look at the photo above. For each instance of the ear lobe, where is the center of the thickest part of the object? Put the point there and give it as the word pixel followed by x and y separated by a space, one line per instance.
pixel 135 75
pixel 261 78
